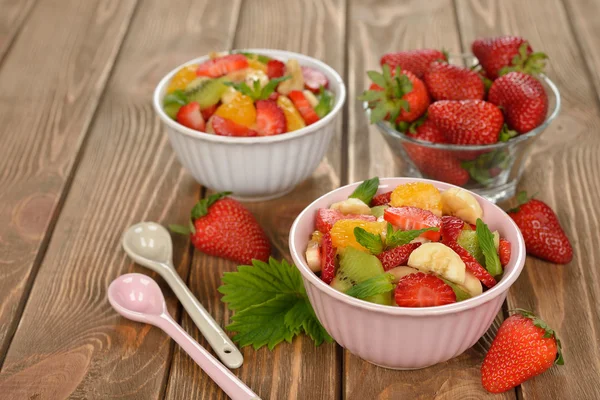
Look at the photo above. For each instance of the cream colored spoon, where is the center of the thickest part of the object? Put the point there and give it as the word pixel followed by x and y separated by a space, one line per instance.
pixel 149 244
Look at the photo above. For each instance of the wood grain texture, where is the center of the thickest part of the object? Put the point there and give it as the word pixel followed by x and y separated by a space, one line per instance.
pixel 70 343
pixel 12 17
pixel 297 370
pixel 378 27
pixel 563 173
pixel 50 89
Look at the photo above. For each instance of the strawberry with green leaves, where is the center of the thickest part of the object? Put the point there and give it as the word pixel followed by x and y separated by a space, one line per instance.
pixel 500 55
pixel 221 226
pixel 524 347
pixel 415 61
pixel 452 82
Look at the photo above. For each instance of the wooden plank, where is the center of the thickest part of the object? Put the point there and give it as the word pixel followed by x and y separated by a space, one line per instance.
pixel 378 27
pixel 70 343
pixel 51 84
pixel 14 13
pixel 563 173
pixel 297 370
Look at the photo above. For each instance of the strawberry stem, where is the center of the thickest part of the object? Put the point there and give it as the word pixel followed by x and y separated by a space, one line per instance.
pixel 201 207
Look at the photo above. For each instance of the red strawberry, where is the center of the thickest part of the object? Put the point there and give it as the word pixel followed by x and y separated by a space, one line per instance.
pixel 381 199
pixel 222 65
pixel 209 111
pixel 308 113
pixel 499 55
pixel 327 217
pixel 451 82
pixel 274 96
pixel 275 69
pixel 451 228
pixel 524 347
pixel 415 61
pixel 467 121
pixel 328 253
pixel 226 127
pixel 270 120
pixel 405 92
pixel 408 218
pixel 397 256
pixel 190 116
pixel 544 237
pixel 522 98
pixel 472 265
pixel 423 290
pixel 314 79
pixel 438 164
pixel 223 227
pixel 504 252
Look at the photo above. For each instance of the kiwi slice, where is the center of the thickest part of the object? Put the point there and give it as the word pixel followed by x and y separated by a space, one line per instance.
pixel 207 92
pixel 378 211
pixel 357 266
pixel 469 241
pixel 460 292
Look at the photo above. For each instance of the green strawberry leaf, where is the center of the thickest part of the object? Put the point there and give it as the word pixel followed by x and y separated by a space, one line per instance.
pixel 366 190
pixel 378 284
pixel 377 78
pixel 368 240
pixel 201 207
pixel 180 229
pixel 486 243
pixel 506 134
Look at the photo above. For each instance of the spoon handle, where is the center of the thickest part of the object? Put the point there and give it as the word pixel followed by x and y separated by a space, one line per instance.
pixel 223 377
pixel 218 340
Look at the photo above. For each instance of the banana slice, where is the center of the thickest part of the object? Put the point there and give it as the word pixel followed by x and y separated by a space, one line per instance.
pixel 461 204
pixel 472 284
pixel 439 259
pixel 401 272
pixel 256 75
pixel 312 99
pixel 296 82
pixel 351 206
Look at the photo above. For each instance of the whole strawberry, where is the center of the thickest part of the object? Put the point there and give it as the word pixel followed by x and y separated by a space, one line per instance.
pixel 523 348
pixel 398 97
pixel 522 98
pixel 223 227
pixel 467 121
pixel 543 235
pixel 452 82
pixel 415 61
pixel 499 55
pixel 438 164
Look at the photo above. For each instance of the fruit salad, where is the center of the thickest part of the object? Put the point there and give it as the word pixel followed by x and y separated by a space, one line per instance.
pixel 246 95
pixel 411 247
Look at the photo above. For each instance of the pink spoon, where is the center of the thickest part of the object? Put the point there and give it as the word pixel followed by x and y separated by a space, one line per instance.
pixel 138 298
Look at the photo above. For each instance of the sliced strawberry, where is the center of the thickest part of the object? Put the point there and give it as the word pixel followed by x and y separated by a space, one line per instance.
pixel 270 120
pixel 226 127
pixel 409 218
pixel 504 250
pixel 472 265
pixel 308 113
pixel 314 79
pixel 397 256
pixel 423 290
pixel 223 65
pixel 327 259
pixel 451 228
pixel 209 111
pixel 275 69
pixel 327 217
pixel 190 116
pixel 381 199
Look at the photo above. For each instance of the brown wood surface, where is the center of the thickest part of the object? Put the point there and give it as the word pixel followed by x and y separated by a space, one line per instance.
pixel 51 84
pixel 79 162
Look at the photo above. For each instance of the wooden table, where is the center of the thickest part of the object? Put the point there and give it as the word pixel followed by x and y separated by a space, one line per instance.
pixel 82 156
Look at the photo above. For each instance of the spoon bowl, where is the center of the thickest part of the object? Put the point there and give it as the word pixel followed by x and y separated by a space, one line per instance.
pixel 148 241
pixel 136 296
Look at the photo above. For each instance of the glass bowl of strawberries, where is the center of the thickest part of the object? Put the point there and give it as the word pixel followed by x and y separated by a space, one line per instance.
pixel 467 120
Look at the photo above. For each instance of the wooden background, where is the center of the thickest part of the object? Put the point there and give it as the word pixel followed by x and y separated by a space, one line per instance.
pixel 82 156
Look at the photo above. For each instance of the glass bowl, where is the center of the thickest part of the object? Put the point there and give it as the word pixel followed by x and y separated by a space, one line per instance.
pixel 491 171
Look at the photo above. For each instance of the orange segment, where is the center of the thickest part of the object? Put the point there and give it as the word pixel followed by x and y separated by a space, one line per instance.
pixel 184 76
pixel 342 232
pixel 418 194
pixel 255 64
pixel 292 115
pixel 239 110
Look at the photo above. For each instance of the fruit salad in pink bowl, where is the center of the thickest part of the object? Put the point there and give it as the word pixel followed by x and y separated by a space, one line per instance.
pixel 421 264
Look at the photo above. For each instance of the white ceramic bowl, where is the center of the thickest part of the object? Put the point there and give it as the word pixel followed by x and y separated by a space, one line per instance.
pixel 256 168
pixel 402 337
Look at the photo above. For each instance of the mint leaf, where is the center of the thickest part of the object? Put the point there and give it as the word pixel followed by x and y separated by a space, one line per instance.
pixel 373 286
pixel 325 104
pixel 378 211
pixel 461 294
pixel 368 240
pixel 366 190
pixel 176 97
pixel 486 243
pixel 399 238
pixel 270 87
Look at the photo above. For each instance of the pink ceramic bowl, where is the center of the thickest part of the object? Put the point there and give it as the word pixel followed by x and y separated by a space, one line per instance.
pixel 401 337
